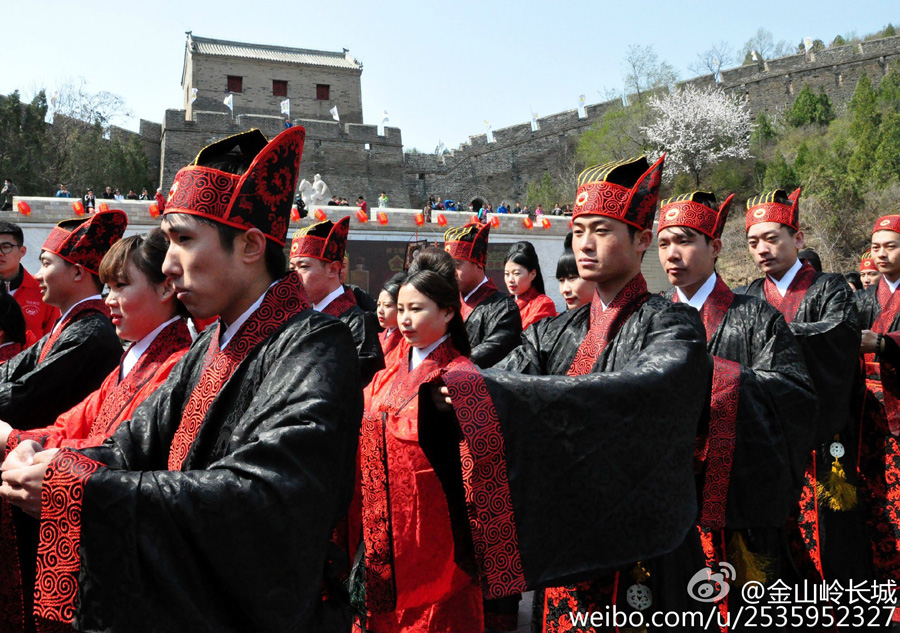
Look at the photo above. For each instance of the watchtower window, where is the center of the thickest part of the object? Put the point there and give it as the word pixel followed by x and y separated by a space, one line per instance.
pixel 279 88
pixel 235 84
pixel 323 92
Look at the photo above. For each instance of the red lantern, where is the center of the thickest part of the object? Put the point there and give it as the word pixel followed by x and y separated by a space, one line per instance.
pixel 103 207
pixel 362 216
pixel 473 219
pixel 24 207
pixel 320 215
pixel 78 208
pixel 495 221
pixel 528 223
pixel 420 219
pixel 442 221
pixel 295 214
pixel 154 210
pixel 382 218
pixel 545 222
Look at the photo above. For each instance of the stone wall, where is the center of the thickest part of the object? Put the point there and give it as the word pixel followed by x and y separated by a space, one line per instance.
pixel 352 159
pixel 501 171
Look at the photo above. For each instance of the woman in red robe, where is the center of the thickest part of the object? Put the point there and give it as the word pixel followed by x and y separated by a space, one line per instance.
pixel 12 328
pixel 413 582
pixel 392 344
pixel 522 273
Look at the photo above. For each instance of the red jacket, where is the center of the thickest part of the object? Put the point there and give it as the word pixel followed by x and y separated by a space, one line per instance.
pixel 39 317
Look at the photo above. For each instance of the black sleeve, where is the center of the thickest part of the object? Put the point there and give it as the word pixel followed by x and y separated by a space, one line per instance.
pixel 501 332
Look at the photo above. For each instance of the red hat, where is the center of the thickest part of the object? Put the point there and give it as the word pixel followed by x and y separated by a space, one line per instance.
pixel 887 223
pixel 469 242
pixel 325 240
pixel 260 198
pixel 698 210
pixel 625 190
pixel 775 206
pixel 867 263
pixel 85 241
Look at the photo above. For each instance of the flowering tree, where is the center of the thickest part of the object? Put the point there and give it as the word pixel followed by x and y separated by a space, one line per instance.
pixel 698 127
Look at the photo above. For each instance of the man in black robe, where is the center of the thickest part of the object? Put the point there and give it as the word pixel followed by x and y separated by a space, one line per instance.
pixel 821 312
pixel 581 467
pixel 492 318
pixel 317 255
pixel 212 508
pixel 760 386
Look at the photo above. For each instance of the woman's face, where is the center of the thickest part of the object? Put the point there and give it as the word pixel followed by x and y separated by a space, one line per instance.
pixel 518 278
pixel 420 320
pixel 138 306
pixel 386 310
pixel 576 291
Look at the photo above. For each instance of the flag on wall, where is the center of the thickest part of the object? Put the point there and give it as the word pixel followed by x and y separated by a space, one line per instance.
pixel 286 107
pixel 193 95
pixel 229 102
pixel 334 114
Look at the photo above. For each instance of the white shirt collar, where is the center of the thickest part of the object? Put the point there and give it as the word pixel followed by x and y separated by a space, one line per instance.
pixel 318 307
pixel 419 355
pixel 226 336
pixel 784 283
pixel 701 295
pixel 892 284
pixel 481 283
pixel 63 317
pixel 137 350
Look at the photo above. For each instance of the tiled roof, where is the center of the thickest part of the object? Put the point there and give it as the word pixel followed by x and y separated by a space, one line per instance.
pixel 224 48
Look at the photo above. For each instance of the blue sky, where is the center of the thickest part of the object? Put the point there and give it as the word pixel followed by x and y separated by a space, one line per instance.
pixel 440 69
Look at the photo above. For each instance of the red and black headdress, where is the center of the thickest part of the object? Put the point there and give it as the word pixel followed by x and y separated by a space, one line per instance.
pixel 625 190
pixel 867 263
pixel 85 241
pixel 468 242
pixel 698 210
pixel 887 223
pixel 775 206
pixel 259 198
pixel 325 240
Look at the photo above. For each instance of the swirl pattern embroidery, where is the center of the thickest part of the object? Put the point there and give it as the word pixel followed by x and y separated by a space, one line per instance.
pixel 722 436
pixel 341 304
pixel 58 559
pixel 790 302
pixel 93 305
pixel 282 301
pixel 486 483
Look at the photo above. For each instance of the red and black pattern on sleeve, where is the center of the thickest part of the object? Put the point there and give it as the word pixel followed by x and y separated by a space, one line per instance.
pixel 719 446
pixel 94 305
pixel 486 483
pixel 58 558
pixel 803 531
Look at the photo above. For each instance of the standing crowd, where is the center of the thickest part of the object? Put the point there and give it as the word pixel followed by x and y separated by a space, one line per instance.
pixel 269 455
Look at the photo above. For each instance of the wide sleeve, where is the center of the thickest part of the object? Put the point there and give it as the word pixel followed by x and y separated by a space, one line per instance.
pixel 77 421
pixel 237 546
pixel 501 329
pixel 33 394
pixel 830 348
pixel 564 478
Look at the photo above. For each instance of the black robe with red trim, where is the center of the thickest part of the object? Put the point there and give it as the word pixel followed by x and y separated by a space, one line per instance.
pixel 493 326
pixel 237 539
pixel 364 328
pixel 33 393
pixel 567 478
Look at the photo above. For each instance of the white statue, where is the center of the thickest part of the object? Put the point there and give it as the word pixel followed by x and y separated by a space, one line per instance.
pixel 316 193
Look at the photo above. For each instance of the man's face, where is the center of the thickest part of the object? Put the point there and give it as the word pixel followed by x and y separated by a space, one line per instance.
pixel 468 275
pixel 200 268
pixel 886 253
pixel 773 248
pixel 56 278
pixel 9 262
pixel 686 257
pixel 320 278
pixel 869 277
pixel 604 250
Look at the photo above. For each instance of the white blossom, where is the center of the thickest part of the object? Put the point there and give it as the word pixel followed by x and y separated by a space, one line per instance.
pixel 697 128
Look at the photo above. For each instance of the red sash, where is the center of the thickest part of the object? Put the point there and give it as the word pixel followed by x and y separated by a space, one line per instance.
pixel 174 337
pixel 91 305
pixel 282 301
pixel 790 302
pixel 340 304
pixel 605 324
pixel 481 293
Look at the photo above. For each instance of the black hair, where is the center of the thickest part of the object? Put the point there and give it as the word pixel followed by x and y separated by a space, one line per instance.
pixel 434 275
pixel 523 254
pixel 687 231
pixel 392 285
pixel 812 257
pixel 854 279
pixel 11 320
pixel 13 229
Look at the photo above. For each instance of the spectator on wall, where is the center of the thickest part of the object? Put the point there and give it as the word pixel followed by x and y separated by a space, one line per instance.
pixel 160 199
pixel 63 192
pixel 90 201
pixel 9 190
